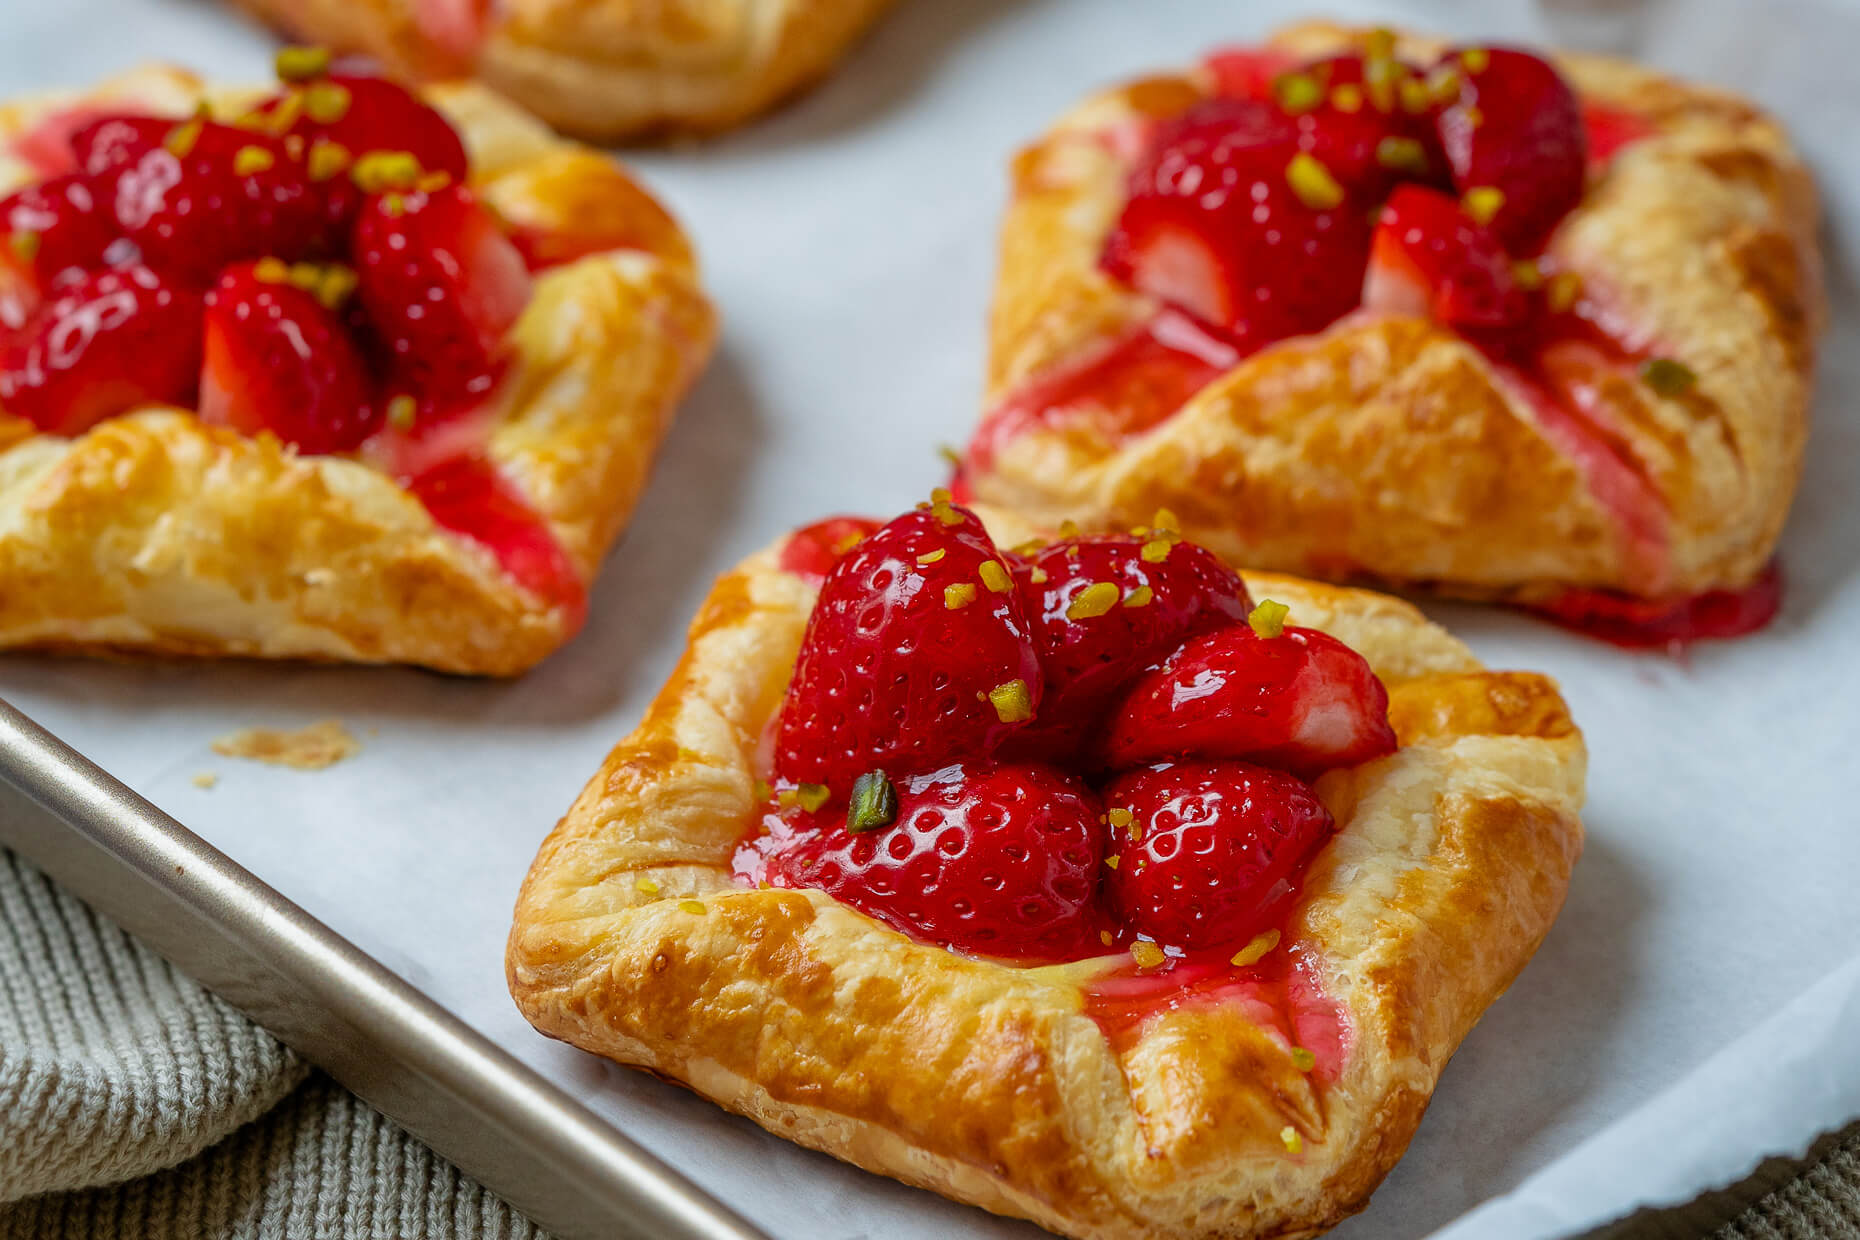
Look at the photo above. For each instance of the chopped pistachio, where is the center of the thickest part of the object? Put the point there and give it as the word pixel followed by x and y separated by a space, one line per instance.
pixel 1165 522
pixel 787 798
pixel 1038 576
pixel 1303 1059
pixel 1415 97
pixel 401 412
pixel 1068 528
pixel 181 139
pixel 432 182
pixel 994 575
pixel 1113 860
pixel 24 244
pixel 1013 701
pixel 1667 377
pixel 949 455
pixel 1094 600
pixel 1256 948
pixel 646 886
pixel 337 284
pixel 1268 619
pixel 1565 287
pixel 931 557
pixel 1483 203
pixel 1033 546
pixel 1293 1143
pixel 327 102
pixel 1156 550
pixel 1297 92
pixel 305 276
pixel 959 595
pixel 272 270
pixel 300 64
pixel 1119 817
pixel 874 803
pixel 1476 59
pixel 1147 954
pixel 328 159
pixel 761 791
pixel 1142 596
pixel 249 160
pixel 848 543
pixel 1104 936
pixel 1472 116
pixel 1379 43
pixel 1313 183
pixel 1528 275
pixel 1402 154
pixel 385 170
pixel 694 907
pixel 812 796
pixel 1347 97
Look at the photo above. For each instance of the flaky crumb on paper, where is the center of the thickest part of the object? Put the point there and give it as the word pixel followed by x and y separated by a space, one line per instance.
pixel 307 749
pixel 206 779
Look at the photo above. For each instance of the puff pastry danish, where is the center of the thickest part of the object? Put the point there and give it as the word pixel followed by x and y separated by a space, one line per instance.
pixel 1242 291
pixel 606 70
pixel 407 433
pixel 1198 998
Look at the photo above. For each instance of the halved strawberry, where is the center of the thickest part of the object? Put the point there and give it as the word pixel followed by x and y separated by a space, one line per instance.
pixel 813 550
pixel 214 194
pixel 1301 700
pixel 1515 127
pixel 1223 220
pixel 102 345
pixel 362 114
pixel 442 286
pixel 917 654
pixel 278 359
pixel 1357 128
pixel 53 226
pixel 1429 258
pixel 994 859
pixel 111 141
pixel 1106 608
pixel 1208 852
pixel 1246 72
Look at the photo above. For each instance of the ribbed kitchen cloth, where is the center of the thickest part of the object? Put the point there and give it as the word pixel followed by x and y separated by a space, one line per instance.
pixel 135 1104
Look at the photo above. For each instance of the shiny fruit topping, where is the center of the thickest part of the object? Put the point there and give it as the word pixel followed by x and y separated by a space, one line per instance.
pixel 812 551
pixel 1301 700
pixel 52 227
pixel 114 140
pixel 363 114
pixel 1207 852
pixel 917 654
pixel 1429 258
pixel 442 286
pixel 1513 127
pixel 987 858
pixel 279 358
pixel 108 342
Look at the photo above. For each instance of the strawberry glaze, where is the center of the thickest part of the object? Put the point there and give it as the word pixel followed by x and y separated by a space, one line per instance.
pixel 46 146
pixel 467 495
pixel 1668 624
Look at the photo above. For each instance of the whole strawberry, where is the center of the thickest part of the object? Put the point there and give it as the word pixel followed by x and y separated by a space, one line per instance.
pixel 1206 852
pixel 917 655
pixel 1297 699
pixel 992 859
pixel 1105 608
pixel 102 345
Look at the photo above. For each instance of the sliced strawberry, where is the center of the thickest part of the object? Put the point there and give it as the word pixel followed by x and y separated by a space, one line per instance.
pixel 1514 127
pixel 363 114
pixel 1357 129
pixel 442 286
pixel 812 551
pixel 1246 72
pixel 54 226
pixel 277 359
pixel 105 344
pixel 1429 258
pixel 112 141
pixel 1218 222
pixel 917 654
pixel 1106 608
pixel 1608 129
pixel 1208 853
pixel 1301 700
pixel 996 860
pixel 214 194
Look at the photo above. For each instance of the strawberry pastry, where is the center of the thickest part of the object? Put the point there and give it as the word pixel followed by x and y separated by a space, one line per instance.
pixel 1081 879
pixel 1506 325
pixel 327 371
pixel 601 69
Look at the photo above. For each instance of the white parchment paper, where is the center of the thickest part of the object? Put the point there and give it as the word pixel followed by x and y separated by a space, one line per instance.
pixel 1698 1004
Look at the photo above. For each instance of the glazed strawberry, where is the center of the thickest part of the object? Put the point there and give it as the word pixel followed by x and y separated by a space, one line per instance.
pixel 442 286
pixel 1350 117
pixel 1207 852
pixel 1229 220
pixel 994 859
pixel 1105 608
pixel 917 654
pixel 112 141
pixel 54 226
pixel 278 359
pixel 1431 259
pixel 1247 72
pixel 1301 700
pixel 812 552
pixel 1514 127
pixel 363 114
pixel 107 343
pixel 212 195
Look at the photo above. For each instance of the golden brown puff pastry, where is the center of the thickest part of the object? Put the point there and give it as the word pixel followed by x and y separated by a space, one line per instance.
pixel 153 533
pixel 605 70
pixel 1385 446
pixel 989 1083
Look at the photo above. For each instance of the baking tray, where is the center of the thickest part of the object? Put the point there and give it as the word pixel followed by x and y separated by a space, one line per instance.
pixel 526 1139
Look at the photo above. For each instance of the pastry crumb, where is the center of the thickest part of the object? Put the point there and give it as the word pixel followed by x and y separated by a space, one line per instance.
pixel 205 779
pixel 320 745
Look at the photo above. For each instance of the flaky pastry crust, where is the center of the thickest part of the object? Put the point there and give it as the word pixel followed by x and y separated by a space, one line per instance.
pixel 1386 447
pixel 155 534
pixel 604 70
pixel 989 1083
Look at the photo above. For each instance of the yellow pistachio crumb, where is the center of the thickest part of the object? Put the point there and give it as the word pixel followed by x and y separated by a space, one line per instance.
pixel 812 796
pixel 1113 860
pixel 300 64
pixel 1032 547
pixel 305 276
pixel 1038 577
pixel 1313 183
pixel 1476 59
pixel 433 182
pixel 1303 1059
pixel 1564 288
pixel 1297 92
pixel 1347 97
pixel 1379 43
pixel 1402 154
pixel 1483 203
pixel 1472 116
pixel 335 285
pixel 958 596
pixel 249 160
pixel 1147 954
pixel 1165 522
pixel 385 170
pixel 787 798
pixel 1156 550
pixel 1013 701
pixel 1104 936
pixel 326 102
pixel 24 244
pixel 328 159
pixel 1528 275
pixel 401 412
pixel 1415 97
pixel 1068 528
pixel 931 557
pixel 181 139
pixel 645 886
pixel 941 495
pixel 994 575
pixel 1667 377
pixel 761 791
pixel 694 907
pixel 1139 597
pixel 1119 817
pixel 1094 600
pixel 950 455
pixel 1268 619
pixel 848 543
pixel 271 271
pixel 1293 1143
pixel 1256 948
